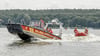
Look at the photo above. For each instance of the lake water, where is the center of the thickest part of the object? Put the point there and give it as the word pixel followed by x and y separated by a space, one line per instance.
pixel 11 45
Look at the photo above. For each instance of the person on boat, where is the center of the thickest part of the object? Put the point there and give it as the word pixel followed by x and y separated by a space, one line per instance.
pixel 86 30
pixel 41 23
pixel 75 30
pixel 49 30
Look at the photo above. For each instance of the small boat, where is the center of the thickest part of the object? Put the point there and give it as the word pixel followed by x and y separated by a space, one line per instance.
pixel 26 32
pixel 77 33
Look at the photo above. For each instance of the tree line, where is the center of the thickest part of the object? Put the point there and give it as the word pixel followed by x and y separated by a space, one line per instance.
pixel 70 17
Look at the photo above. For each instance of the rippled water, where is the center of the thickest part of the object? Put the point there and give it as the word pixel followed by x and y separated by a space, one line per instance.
pixel 10 45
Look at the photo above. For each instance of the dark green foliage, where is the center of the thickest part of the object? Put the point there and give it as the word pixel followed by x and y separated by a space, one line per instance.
pixel 70 17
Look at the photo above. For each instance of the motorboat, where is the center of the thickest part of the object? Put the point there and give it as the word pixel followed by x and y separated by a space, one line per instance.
pixel 26 32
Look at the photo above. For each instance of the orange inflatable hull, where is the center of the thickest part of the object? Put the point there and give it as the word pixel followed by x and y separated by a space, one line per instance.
pixel 81 34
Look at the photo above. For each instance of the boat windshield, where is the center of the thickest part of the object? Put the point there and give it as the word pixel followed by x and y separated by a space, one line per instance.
pixel 54 26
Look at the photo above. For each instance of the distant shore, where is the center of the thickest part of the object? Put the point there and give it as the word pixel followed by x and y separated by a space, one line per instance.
pixel 70 17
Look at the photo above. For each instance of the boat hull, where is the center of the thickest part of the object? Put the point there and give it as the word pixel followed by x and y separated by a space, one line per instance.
pixel 81 34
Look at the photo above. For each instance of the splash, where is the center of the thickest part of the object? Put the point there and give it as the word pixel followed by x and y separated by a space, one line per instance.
pixel 89 38
pixel 72 38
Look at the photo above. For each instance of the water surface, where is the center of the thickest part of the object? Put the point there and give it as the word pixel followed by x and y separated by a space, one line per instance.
pixel 10 45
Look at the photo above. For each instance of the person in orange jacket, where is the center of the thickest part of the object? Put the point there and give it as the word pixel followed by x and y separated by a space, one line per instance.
pixel 86 30
pixel 50 31
pixel 75 30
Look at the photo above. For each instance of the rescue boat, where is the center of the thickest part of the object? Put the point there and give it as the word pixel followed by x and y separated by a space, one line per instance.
pixel 77 33
pixel 26 32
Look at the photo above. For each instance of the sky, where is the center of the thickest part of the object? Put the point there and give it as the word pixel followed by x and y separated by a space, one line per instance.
pixel 49 4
